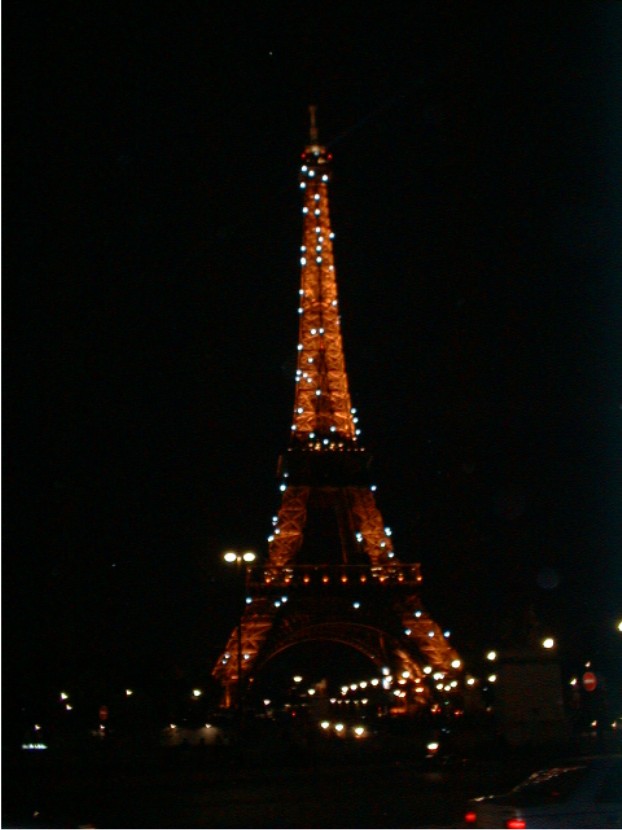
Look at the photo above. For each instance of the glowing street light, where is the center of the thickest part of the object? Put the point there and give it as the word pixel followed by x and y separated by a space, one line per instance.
pixel 492 655
pixel 548 643
pixel 232 557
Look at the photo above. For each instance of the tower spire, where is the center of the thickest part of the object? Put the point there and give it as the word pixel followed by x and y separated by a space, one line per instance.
pixel 313 127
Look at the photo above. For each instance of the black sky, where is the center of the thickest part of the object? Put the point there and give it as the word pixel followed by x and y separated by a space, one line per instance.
pixel 150 319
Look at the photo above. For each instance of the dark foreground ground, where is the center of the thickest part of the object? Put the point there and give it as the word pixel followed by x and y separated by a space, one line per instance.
pixel 255 785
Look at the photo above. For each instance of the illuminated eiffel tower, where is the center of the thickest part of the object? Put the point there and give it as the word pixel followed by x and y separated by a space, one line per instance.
pixel 331 572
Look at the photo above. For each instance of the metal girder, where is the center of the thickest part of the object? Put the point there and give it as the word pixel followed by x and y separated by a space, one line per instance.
pixel 251 634
pixel 431 641
pixel 287 537
pixel 429 637
pixel 377 543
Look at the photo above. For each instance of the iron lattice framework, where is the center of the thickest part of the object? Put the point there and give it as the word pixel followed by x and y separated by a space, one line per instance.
pixel 304 593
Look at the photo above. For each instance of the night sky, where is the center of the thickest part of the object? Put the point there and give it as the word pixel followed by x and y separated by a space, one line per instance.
pixel 150 327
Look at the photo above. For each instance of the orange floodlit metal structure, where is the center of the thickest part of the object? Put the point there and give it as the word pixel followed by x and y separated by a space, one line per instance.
pixel 331 571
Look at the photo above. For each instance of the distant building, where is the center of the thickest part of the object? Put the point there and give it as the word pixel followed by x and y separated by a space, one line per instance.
pixel 529 700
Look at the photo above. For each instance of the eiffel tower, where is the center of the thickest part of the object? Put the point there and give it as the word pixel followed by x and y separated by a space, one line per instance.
pixel 331 573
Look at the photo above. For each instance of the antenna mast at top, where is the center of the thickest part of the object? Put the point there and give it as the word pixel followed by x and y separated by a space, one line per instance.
pixel 313 127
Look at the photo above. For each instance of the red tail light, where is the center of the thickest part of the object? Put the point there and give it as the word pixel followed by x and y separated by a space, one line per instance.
pixel 470 817
pixel 516 824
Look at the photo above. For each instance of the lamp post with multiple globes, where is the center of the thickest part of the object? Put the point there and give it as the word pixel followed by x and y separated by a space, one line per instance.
pixel 239 560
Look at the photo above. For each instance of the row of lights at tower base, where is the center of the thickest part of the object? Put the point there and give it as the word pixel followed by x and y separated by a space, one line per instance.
pixel 325 579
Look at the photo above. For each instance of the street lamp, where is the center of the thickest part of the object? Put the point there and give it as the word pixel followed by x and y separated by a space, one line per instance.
pixel 231 557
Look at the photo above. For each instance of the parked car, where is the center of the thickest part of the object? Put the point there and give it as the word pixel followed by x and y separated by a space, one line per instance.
pixel 581 792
